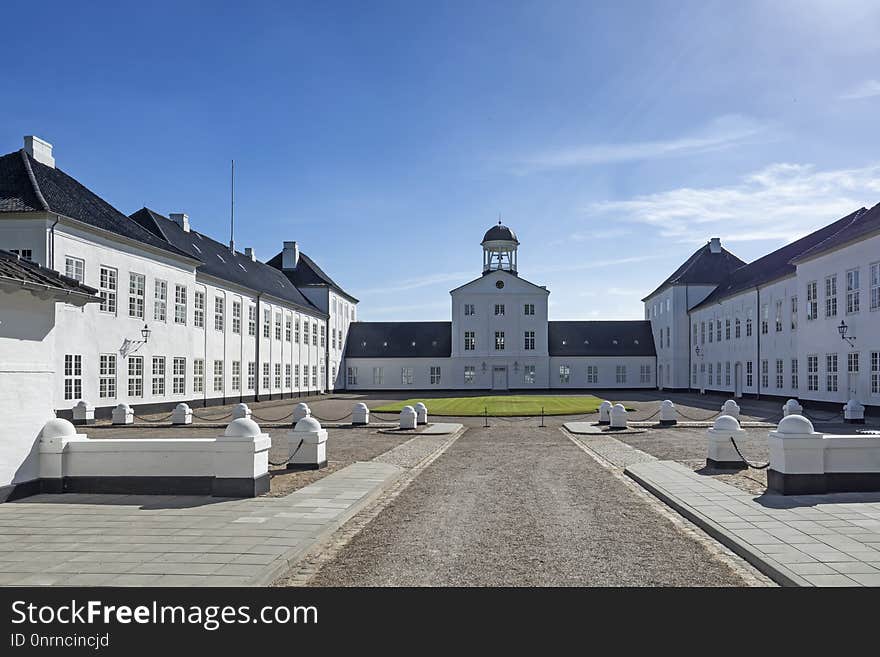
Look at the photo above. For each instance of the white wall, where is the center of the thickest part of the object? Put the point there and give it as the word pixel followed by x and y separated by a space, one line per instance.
pixel 607 372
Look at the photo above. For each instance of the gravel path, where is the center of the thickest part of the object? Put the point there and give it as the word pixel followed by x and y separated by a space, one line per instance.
pixel 521 506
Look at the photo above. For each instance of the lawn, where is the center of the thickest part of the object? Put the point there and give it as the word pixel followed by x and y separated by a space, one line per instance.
pixel 500 405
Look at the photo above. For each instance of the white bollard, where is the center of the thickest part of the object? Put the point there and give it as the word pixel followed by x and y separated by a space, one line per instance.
pixel 123 414
pixel 605 412
pixel 83 413
pixel 54 436
pixel 300 411
pixel 240 411
pixel 721 452
pixel 241 460
pixel 853 412
pixel 421 413
pixel 668 415
pixel 791 407
pixel 618 417
pixel 360 414
pixel 408 418
pixel 307 445
pixel 182 414
pixel 731 408
pixel 797 457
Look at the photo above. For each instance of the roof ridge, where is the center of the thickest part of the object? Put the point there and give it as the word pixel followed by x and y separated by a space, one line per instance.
pixel 856 215
pixel 33 179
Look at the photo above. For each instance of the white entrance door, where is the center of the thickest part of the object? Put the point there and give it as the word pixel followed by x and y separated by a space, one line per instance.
pixel 499 378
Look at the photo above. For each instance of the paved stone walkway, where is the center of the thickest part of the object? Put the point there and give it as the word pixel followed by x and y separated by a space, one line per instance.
pixel 132 540
pixel 800 540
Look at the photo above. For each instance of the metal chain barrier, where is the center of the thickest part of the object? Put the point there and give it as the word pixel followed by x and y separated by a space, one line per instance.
pixel 754 467
pixel 694 419
pixel 263 419
pixel 146 419
pixel 324 419
pixel 287 460
pixel 211 419
pixel 651 416
pixel 816 418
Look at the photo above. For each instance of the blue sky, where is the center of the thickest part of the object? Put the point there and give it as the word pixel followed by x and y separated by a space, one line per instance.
pixel 386 137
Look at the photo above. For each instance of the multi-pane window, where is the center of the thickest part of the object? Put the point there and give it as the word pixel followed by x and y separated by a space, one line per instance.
pixel 668 340
pixel 378 376
pixel 180 304
pixel 236 317
pixel 288 376
pixel 75 268
pixel 737 328
pixel 794 313
pixel 794 374
pixel 875 286
pixel 529 341
pixel 72 376
pixel 529 309
pixel 528 373
pixel 252 320
pixel 288 330
pixel 199 309
pixel 499 340
pixel 267 321
pixel 499 308
pixel 333 337
pixel 352 376
pixel 726 374
pixel 711 332
pixel 620 374
pixel 107 286
pixel 135 376
pixel 24 254
pixel 218 313
pixel 779 373
pixel 305 332
pixel 252 375
pixel 178 376
pixel 765 319
pixel 158 375
pixel 296 375
pixel 470 340
pixel 314 334
pixel 694 339
pixel 813 373
pixel 218 376
pixel 277 326
pixel 644 374
pixel 779 316
pixel 718 374
pixel 136 293
pixel 717 330
pixel 694 374
pixel 765 374
pixel 875 372
pixel 852 291
pixel 831 372
pixel 435 375
pixel 277 376
pixel 323 335
pixel 314 376
pixel 812 301
pixel 235 384
pixel 469 309
pixel 564 374
pixel 831 296
pixel 296 330
pixel 702 332
pixel 406 375
pixel 749 323
pixel 711 373
pixel 107 376
pixel 592 374
pixel 852 362
pixel 160 301
pixel 198 375
pixel 750 377
pixel 727 329
pixel 267 375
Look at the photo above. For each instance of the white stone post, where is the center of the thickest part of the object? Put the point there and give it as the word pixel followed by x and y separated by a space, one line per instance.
pixel 605 412
pixel 668 414
pixel 182 414
pixel 55 435
pixel 307 445
pixel 721 452
pixel 421 413
pixel 360 414
pixel 853 412
pixel 300 411
pixel 408 418
pixel 123 414
pixel 618 417
pixel 731 408
pixel 791 407
pixel 241 460
pixel 83 413
pixel 241 411
pixel 797 457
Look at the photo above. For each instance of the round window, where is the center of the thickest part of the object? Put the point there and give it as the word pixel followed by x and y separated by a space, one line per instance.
pixel 499 284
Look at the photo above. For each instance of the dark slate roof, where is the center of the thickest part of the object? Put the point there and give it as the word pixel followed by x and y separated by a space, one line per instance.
pixel 702 268
pixel 395 340
pixel 778 264
pixel 308 273
pixel 23 271
pixel 865 222
pixel 598 338
pixel 500 232
pixel 30 186
pixel 222 263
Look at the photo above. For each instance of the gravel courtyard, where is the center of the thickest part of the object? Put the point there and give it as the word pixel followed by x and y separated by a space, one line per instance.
pixel 521 506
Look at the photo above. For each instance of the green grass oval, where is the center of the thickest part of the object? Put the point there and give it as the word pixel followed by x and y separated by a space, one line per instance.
pixel 499 405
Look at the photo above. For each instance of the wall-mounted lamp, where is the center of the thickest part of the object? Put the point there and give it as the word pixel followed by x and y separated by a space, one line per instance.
pixel 842 328
pixel 131 346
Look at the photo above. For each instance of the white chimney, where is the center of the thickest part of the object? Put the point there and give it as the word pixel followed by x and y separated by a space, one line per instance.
pixel 181 220
pixel 290 255
pixel 715 245
pixel 40 150
pixel 249 252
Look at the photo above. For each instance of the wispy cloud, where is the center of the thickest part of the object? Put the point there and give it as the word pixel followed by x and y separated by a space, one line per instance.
pixel 779 202
pixel 867 89
pixel 421 281
pixel 723 132
pixel 589 263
